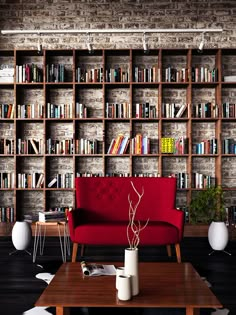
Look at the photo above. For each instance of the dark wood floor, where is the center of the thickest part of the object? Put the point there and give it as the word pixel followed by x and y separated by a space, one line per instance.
pixel 19 288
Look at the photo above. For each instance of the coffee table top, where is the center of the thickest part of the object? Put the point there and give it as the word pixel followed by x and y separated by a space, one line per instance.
pixel 161 285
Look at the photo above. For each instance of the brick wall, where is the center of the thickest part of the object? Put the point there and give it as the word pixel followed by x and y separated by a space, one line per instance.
pixel 71 14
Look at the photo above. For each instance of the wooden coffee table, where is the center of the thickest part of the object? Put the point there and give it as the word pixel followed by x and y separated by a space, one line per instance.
pixel 162 285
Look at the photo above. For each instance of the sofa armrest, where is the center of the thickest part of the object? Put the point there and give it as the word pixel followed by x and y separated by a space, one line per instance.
pixel 174 217
pixel 73 221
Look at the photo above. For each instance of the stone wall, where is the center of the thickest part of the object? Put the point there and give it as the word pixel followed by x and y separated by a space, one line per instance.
pixel 123 14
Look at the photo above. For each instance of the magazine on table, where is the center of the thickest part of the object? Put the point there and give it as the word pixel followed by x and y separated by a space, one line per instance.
pixel 97 269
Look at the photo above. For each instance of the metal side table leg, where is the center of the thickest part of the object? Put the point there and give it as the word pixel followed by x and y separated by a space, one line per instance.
pixel 36 242
pixel 67 239
pixel 63 254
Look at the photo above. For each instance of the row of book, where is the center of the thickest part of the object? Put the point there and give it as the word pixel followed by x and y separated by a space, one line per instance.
pixel 229 110
pixel 28 73
pixel 114 174
pixel 205 110
pixel 89 75
pixel 7 110
pixel 89 174
pixel 64 146
pixel 182 180
pixel 30 146
pixel 229 146
pixel 149 74
pixel 59 110
pixel 6 146
pixel 173 110
pixel 145 110
pixel 140 144
pixel 91 146
pixel 117 110
pixel 30 180
pixel 208 146
pixel 81 110
pixel 200 180
pixel 204 74
pixel 65 180
pixel 230 214
pixel 55 72
pixel 34 110
pixel 176 75
pixel 119 145
pixel 86 146
pixel 117 75
pixel 7 214
pixel 7 180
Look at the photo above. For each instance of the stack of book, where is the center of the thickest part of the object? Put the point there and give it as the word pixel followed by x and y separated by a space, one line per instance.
pixel 50 216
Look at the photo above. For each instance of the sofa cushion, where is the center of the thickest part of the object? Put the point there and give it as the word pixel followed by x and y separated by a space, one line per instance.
pixel 114 233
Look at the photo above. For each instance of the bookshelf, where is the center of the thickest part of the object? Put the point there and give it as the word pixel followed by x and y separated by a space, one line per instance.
pixel 61 111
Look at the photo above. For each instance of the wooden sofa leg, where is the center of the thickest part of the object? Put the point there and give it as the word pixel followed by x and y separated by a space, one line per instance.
pixel 82 250
pixel 168 247
pixel 178 253
pixel 74 252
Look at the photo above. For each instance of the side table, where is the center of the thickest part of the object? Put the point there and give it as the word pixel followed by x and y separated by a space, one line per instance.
pixel 40 233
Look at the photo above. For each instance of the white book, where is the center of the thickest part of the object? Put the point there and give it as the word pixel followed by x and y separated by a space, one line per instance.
pixel 181 110
pixel 52 182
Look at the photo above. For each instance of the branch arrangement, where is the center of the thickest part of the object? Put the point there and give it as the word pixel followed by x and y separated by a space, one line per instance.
pixel 134 227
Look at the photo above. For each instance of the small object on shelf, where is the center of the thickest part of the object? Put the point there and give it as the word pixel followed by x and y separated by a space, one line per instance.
pixel 230 78
pixel 48 216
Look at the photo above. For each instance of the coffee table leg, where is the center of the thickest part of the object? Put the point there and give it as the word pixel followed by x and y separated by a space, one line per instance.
pixel 192 311
pixel 60 310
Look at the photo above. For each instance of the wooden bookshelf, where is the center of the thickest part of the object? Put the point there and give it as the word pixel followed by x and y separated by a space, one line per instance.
pixel 71 104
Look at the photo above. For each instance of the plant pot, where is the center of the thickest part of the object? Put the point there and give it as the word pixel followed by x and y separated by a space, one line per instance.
pixel 218 235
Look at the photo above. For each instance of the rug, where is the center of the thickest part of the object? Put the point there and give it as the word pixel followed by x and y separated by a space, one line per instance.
pixel 47 277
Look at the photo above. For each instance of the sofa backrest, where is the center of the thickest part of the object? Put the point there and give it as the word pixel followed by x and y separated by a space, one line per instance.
pixel 106 198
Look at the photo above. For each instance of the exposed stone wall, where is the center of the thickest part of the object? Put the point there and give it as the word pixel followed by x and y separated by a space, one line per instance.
pixel 123 14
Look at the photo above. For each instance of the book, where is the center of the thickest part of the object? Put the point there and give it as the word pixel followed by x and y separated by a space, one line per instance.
pixel 118 141
pixel 52 182
pixel 97 269
pixel 181 110
pixel 48 216
pixel 40 181
pixel 230 78
pixel 34 146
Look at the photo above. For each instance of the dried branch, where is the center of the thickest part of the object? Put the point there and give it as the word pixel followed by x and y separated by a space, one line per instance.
pixel 134 227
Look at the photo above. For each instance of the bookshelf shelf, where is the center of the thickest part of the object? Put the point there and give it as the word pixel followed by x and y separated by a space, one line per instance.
pixel 72 105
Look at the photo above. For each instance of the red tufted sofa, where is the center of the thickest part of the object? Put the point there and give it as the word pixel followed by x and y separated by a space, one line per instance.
pixel 101 216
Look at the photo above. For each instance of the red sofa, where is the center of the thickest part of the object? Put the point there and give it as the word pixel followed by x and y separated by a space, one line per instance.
pixel 101 216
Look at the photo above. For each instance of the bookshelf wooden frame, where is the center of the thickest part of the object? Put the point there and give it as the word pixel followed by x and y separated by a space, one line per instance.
pixel 95 94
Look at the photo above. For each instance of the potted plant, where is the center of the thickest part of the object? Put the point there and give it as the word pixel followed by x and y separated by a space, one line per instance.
pixel 208 207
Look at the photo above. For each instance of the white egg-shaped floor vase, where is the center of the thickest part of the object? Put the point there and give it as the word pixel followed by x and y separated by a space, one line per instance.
pixel 218 235
pixel 21 235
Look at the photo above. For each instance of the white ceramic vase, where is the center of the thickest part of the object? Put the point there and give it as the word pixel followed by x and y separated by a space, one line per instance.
pixel 131 268
pixel 218 235
pixel 124 290
pixel 21 235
